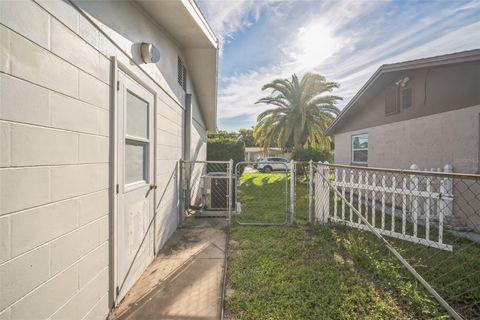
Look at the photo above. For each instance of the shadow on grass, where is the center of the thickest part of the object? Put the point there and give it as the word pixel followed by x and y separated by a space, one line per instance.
pixel 337 272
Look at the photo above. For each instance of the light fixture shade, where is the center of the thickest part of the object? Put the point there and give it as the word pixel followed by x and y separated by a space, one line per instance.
pixel 150 54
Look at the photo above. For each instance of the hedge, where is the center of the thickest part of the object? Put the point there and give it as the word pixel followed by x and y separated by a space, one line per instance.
pixel 224 149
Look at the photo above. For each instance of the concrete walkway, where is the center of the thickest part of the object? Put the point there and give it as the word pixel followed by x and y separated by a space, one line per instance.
pixel 185 279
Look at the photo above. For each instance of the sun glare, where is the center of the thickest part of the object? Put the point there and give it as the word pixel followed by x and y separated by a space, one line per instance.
pixel 316 43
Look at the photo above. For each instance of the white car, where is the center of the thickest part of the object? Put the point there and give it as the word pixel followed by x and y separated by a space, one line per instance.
pixel 273 164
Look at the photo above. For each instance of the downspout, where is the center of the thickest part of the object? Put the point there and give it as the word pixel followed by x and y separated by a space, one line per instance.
pixel 185 165
pixel 187 128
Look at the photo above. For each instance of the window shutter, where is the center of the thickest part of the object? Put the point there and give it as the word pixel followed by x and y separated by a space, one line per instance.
pixel 391 101
pixel 407 97
pixel 184 78
pixel 180 72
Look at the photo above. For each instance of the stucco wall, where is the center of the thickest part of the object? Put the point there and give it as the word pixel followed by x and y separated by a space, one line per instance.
pixel 54 151
pixel 430 142
pixel 435 90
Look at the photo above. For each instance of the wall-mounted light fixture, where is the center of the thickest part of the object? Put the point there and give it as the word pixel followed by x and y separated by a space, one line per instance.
pixel 402 82
pixel 150 54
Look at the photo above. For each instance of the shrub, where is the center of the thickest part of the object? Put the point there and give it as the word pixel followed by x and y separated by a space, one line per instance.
pixel 312 154
pixel 225 147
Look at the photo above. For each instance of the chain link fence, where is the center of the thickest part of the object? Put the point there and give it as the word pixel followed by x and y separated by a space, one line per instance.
pixel 207 188
pixel 262 193
pixel 427 224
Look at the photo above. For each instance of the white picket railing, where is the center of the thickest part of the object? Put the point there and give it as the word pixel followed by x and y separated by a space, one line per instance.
pixel 408 198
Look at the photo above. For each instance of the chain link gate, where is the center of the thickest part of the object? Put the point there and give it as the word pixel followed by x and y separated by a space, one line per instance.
pixel 262 193
pixel 206 189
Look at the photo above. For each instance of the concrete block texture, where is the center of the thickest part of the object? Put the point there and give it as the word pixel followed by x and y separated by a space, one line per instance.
pixel 34 63
pixel 68 249
pixel 72 114
pixel 5 134
pixel 42 146
pixel 93 149
pixel 5 314
pixel 4 238
pixel 34 227
pixel 62 11
pixel 4 49
pixel 93 90
pixel 21 275
pixel 68 45
pixel 22 101
pixel 100 310
pixel 28 19
pixel 83 301
pixel 92 264
pixel 92 207
pixel 22 188
pixel 76 180
pixel 44 301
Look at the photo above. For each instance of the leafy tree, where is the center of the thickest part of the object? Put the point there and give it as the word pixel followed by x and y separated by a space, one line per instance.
pixel 301 112
pixel 246 135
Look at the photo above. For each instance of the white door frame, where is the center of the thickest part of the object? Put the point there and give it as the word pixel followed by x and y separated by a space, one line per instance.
pixel 116 67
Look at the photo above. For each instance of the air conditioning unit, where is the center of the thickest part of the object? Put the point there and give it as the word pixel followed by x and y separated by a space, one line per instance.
pixel 215 191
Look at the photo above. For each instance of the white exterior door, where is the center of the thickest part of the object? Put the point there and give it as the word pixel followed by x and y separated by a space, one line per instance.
pixel 135 177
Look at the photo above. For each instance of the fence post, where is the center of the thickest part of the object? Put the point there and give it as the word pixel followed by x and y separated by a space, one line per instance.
pixel 230 191
pixel 448 182
pixel 292 191
pixel 310 190
pixel 414 203
pixel 445 205
pixel 325 193
pixel 318 192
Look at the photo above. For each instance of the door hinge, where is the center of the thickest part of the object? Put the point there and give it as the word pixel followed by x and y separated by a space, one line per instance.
pixel 117 188
pixel 118 85
pixel 117 289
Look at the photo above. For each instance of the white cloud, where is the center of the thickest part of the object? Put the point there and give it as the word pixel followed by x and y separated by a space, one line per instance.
pixel 229 17
pixel 319 43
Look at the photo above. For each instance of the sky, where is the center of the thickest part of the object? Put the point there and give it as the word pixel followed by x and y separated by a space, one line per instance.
pixel 344 40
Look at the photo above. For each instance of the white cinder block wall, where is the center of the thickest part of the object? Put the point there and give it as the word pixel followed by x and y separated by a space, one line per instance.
pixel 54 151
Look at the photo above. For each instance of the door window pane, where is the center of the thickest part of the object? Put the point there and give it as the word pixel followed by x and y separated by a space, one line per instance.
pixel 137 116
pixel 135 161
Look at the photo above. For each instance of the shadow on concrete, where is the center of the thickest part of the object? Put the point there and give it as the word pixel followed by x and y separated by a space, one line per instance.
pixel 185 279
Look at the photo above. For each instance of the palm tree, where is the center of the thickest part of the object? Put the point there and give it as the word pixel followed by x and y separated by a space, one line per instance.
pixel 301 113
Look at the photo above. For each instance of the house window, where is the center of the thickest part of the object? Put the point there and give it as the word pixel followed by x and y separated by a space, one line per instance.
pixel 360 148
pixel 182 74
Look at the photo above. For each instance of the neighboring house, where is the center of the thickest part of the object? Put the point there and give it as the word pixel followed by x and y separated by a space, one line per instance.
pixel 257 153
pixel 424 111
pixel 90 138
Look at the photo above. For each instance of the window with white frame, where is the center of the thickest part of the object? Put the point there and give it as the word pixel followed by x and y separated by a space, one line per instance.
pixel 360 148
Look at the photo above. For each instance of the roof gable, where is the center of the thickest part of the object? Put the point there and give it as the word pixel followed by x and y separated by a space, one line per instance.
pixel 386 69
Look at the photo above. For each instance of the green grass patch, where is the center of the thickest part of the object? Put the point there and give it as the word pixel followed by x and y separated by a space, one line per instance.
pixel 262 204
pixel 336 272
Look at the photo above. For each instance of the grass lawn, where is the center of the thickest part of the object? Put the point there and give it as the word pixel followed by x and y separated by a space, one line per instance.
pixel 335 272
